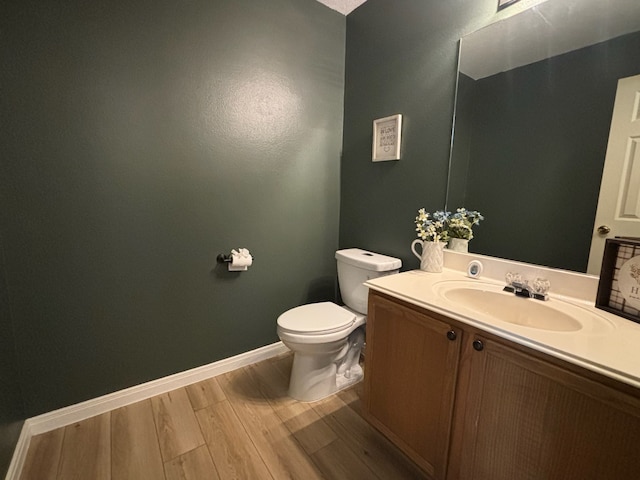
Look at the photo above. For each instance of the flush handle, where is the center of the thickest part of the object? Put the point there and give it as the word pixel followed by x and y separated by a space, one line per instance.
pixel 604 229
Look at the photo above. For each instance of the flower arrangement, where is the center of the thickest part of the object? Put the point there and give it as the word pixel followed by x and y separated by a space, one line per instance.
pixel 432 227
pixel 440 225
pixel 460 224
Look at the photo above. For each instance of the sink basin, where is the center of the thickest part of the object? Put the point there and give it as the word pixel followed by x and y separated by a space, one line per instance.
pixel 489 300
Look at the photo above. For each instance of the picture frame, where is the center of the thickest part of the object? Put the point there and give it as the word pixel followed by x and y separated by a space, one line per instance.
pixel 387 135
pixel 619 285
pixel 505 3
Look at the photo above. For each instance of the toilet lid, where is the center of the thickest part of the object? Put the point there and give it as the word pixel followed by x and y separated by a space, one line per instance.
pixel 324 317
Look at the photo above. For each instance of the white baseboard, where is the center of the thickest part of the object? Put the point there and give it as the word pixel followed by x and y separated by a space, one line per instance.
pixel 19 454
pixel 96 406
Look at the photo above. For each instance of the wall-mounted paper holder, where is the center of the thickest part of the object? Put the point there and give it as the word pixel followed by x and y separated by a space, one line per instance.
pixel 237 261
pixel 222 258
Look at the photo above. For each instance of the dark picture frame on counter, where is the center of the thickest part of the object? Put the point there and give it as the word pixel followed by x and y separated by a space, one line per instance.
pixel 619 286
pixel 505 3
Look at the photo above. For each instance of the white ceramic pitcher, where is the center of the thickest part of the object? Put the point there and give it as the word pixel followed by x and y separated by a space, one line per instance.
pixel 432 255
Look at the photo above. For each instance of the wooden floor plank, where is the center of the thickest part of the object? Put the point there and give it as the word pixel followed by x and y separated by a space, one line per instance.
pixel 241 425
pixel 300 418
pixel 233 452
pixel 373 449
pixel 176 424
pixel 351 397
pixel 86 450
pixel 193 465
pixel 284 456
pixel 283 363
pixel 205 393
pixel 43 456
pixel 273 382
pixel 134 444
pixel 338 462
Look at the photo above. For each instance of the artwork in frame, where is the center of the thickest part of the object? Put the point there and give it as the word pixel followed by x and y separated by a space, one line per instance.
pixel 619 286
pixel 387 134
pixel 505 3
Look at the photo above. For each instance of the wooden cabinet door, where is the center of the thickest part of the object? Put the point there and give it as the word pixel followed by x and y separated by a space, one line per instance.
pixel 410 374
pixel 519 417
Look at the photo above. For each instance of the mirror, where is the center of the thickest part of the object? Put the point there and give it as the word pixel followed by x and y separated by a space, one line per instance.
pixel 533 110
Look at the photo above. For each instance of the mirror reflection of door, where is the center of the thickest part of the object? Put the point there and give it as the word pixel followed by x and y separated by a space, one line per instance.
pixel 618 213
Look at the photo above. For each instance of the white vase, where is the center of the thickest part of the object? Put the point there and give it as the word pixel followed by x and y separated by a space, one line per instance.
pixel 431 256
pixel 458 245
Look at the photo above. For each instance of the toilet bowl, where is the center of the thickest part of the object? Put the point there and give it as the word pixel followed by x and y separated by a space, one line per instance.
pixel 326 338
pixel 318 334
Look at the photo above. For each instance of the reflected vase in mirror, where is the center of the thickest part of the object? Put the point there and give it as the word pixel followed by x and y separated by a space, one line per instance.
pixel 431 256
pixel 458 245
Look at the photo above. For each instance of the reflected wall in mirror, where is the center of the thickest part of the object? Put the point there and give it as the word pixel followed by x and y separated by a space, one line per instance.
pixel 533 111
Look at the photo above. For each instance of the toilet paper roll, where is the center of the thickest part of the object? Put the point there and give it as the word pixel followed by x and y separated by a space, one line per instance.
pixel 241 260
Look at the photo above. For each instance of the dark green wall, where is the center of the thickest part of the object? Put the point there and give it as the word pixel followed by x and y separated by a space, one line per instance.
pixel 11 407
pixel 544 127
pixel 138 141
pixel 401 58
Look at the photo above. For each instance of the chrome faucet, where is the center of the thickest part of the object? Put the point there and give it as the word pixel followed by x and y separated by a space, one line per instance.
pixel 538 289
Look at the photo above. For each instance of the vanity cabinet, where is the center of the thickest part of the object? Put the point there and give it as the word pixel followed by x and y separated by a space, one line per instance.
pixel 520 416
pixel 411 364
pixel 480 407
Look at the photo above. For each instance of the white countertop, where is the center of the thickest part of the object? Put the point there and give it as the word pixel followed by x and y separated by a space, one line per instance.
pixel 613 350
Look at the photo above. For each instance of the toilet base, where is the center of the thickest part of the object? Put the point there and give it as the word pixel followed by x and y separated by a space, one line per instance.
pixel 342 381
pixel 326 369
pixel 305 389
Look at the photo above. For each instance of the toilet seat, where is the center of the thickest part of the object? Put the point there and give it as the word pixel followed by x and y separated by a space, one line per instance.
pixel 316 319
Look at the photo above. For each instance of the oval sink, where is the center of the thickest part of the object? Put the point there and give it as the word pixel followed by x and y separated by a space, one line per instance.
pixel 512 309
pixel 489 300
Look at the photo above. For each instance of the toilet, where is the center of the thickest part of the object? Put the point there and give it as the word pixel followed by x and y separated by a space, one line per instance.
pixel 326 339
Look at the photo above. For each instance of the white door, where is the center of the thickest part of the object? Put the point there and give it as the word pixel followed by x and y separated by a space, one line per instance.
pixel 618 213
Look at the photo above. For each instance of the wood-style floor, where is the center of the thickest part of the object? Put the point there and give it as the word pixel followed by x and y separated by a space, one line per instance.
pixel 240 425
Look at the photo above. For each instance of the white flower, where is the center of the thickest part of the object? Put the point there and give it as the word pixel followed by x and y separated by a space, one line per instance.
pixel 439 226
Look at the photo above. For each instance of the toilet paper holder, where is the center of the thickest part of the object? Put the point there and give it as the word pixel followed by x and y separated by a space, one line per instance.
pixel 222 258
pixel 237 261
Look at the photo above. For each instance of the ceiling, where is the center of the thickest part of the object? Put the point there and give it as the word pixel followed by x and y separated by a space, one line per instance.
pixel 343 6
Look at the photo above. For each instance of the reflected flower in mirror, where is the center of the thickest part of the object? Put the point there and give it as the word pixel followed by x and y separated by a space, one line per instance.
pixel 461 223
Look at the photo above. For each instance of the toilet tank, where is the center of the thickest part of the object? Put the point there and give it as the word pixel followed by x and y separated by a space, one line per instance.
pixel 355 267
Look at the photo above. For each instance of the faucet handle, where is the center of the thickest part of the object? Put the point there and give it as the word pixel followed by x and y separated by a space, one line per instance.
pixel 511 278
pixel 541 285
pixel 540 288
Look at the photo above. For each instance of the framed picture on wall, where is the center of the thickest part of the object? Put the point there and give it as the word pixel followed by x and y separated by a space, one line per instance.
pixel 505 3
pixel 386 138
pixel 619 286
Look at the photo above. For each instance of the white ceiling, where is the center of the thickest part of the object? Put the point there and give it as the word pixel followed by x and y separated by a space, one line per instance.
pixel 343 6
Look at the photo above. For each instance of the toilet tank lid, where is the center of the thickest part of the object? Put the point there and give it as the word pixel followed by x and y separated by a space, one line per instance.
pixel 368 260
